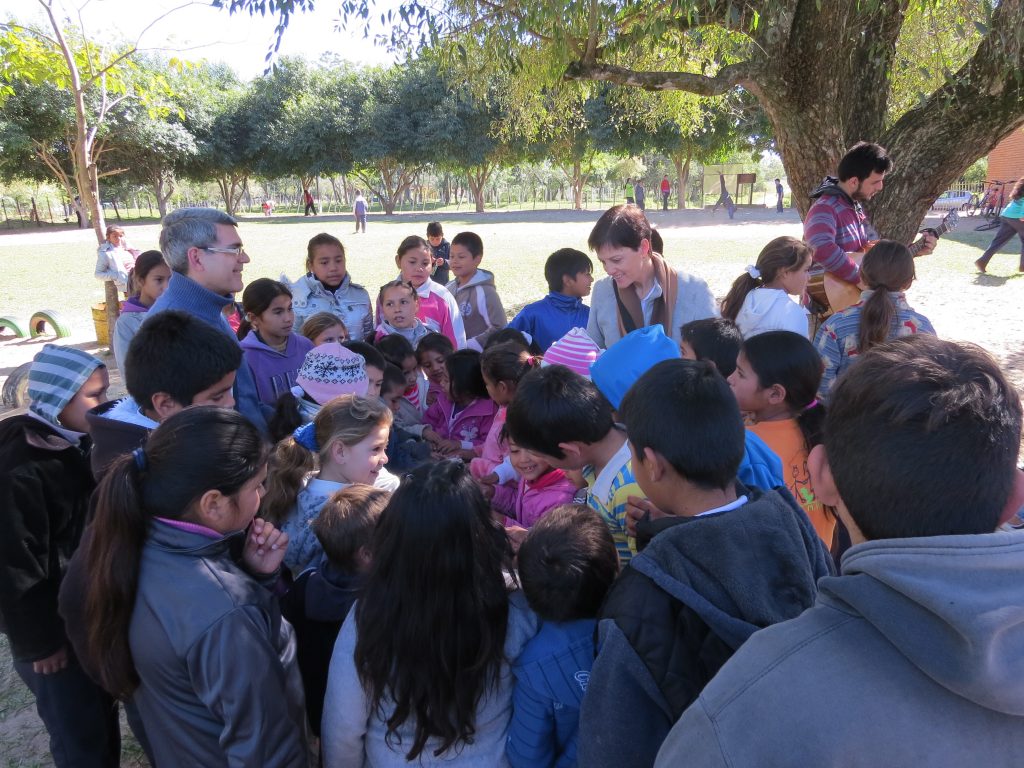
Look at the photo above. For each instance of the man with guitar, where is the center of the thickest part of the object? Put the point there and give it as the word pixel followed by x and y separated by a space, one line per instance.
pixel 836 226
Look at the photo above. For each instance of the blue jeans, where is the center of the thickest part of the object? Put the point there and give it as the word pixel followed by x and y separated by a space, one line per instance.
pixel 80 717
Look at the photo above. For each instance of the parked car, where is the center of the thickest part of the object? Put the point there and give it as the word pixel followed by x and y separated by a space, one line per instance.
pixel 951 200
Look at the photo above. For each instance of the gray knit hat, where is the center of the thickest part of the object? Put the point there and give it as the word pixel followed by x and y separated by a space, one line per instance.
pixel 56 375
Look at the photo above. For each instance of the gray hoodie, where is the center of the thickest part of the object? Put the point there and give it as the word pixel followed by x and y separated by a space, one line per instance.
pixel 914 656
pixel 480 306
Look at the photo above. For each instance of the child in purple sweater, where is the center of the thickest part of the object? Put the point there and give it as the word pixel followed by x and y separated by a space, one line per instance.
pixel 273 352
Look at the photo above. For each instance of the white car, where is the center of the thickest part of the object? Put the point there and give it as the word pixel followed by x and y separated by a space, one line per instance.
pixel 951 200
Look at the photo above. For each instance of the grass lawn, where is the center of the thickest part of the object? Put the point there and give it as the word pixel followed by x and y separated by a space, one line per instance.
pixel 53 269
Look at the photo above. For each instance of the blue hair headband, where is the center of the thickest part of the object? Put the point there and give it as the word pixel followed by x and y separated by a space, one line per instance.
pixel 306 437
pixel 139 455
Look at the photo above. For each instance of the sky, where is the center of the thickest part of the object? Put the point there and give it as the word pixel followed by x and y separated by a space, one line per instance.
pixel 196 30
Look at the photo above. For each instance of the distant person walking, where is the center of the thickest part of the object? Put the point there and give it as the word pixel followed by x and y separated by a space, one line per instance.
pixel 778 195
pixel 1011 222
pixel 640 194
pixel 307 197
pixel 359 210
pixel 666 192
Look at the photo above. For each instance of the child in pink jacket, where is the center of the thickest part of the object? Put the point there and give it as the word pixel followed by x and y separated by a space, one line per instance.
pixel 540 489
pixel 437 308
pixel 463 415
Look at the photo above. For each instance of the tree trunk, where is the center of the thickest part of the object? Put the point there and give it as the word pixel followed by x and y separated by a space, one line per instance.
pixel 682 164
pixel 163 189
pixel 477 178
pixel 820 71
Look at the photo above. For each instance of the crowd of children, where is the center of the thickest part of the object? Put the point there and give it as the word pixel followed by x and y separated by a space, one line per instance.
pixel 580 553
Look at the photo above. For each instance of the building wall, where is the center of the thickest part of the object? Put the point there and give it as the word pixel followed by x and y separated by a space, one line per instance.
pixel 1006 161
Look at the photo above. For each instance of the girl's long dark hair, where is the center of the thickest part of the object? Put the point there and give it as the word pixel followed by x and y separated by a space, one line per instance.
pixel 887 268
pixel 146 263
pixel 783 254
pixel 257 298
pixel 432 617
pixel 507 362
pixel 196 450
pixel 791 361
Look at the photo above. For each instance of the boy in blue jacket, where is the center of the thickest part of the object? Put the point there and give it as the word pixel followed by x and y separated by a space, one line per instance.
pixel 566 565
pixel 570 275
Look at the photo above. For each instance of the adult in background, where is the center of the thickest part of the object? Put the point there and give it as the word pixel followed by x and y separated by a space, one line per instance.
pixel 666 192
pixel 836 225
pixel 724 198
pixel 641 288
pixel 359 210
pixel 640 194
pixel 114 259
pixel 629 191
pixel 778 195
pixel 1011 222
pixel 307 198
pixel 206 257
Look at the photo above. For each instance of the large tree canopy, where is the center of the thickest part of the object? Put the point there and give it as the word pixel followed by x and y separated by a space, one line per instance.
pixel 826 74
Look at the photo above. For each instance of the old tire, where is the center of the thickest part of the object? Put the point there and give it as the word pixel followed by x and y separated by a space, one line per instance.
pixel 12 325
pixel 15 392
pixel 38 322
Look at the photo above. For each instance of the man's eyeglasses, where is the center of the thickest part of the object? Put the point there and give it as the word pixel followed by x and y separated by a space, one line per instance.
pixel 219 249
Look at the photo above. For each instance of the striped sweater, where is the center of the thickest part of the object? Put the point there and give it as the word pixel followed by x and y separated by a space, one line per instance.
pixel 836 225
pixel 607 494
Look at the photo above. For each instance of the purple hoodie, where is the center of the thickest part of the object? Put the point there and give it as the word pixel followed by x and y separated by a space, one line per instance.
pixel 469 426
pixel 274 371
pixel 527 502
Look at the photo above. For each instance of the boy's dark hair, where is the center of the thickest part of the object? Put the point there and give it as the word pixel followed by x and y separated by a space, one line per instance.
pixel 395 348
pixel 434 229
pixel 347 522
pixel 553 405
pixel 465 378
pixel 471 241
pixel 393 379
pixel 685 411
pixel 863 159
pixel 716 340
pixel 922 437
pixel 621 226
pixel 435 342
pixel 567 563
pixel 565 262
pixel 181 355
pixel 370 354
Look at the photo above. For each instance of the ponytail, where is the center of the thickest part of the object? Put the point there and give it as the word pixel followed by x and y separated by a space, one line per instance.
pixel 198 449
pixel 741 286
pixel 507 362
pixel 118 533
pixel 288 466
pixel 783 254
pixel 887 268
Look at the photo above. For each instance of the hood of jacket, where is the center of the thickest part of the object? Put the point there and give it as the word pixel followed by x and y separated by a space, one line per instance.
pixel 829 187
pixel 709 563
pixel 480 277
pixel 330 592
pixel 761 304
pixel 117 427
pixel 132 305
pixel 253 343
pixel 949 604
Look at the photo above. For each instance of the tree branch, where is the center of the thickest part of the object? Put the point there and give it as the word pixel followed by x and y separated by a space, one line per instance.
pixel 727 78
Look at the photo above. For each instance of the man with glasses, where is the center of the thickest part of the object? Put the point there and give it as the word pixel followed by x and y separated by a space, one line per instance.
pixel 206 256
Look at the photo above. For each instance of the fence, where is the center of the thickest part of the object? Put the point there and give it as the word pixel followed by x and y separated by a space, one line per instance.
pixel 35 211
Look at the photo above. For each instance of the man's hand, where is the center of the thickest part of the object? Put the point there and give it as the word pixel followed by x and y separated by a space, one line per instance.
pixel 51 664
pixel 265 546
pixel 930 241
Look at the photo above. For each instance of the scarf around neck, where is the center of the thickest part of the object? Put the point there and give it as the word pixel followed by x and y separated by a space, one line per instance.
pixel 631 313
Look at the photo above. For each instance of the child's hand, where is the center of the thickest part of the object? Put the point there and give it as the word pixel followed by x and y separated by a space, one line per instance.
pixel 466 454
pixel 431 436
pixel 51 664
pixel 575 476
pixel 637 509
pixel 516 535
pixel 491 479
pixel 265 546
pixel 448 447
pixel 487 491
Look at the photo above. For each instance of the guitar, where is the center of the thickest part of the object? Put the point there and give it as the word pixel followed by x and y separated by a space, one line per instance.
pixel 836 295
